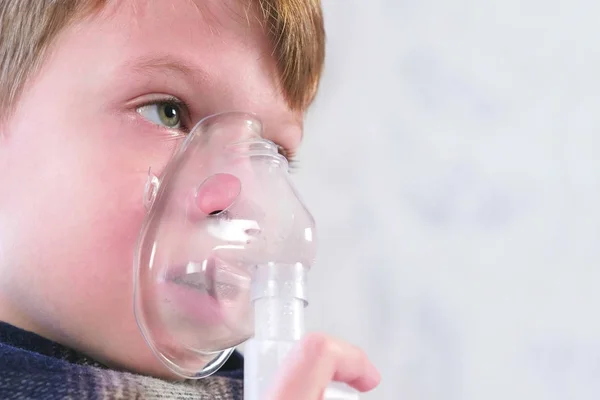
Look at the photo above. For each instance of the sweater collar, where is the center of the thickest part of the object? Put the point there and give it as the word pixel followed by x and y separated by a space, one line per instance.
pixel 32 342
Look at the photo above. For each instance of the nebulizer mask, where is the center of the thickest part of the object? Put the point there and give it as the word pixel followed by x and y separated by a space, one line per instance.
pixel 223 254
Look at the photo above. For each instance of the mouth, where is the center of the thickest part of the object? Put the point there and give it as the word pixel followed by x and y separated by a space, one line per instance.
pixel 200 282
pixel 186 302
pixel 207 293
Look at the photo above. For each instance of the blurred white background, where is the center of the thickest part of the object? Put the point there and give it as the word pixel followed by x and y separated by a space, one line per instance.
pixel 452 163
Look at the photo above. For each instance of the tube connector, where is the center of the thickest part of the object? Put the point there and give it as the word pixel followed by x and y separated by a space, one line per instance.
pixel 279 295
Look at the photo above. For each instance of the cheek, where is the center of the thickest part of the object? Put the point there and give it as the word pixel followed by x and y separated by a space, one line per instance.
pixel 94 233
pixel 108 218
pixel 74 208
pixel 90 204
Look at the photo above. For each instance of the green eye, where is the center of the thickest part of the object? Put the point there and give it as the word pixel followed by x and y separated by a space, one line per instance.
pixel 164 113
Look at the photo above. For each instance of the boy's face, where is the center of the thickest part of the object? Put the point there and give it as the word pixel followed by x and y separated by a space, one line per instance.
pixel 75 157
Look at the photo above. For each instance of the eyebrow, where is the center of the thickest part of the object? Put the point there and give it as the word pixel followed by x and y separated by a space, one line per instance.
pixel 168 64
pixel 173 64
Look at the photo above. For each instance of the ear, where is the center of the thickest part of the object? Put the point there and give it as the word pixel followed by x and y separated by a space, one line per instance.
pixel 6 168
pixel 4 128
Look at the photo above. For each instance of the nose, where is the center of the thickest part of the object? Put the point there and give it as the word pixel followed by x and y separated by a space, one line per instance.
pixel 225 129
pixel 217 193
pixel 227 133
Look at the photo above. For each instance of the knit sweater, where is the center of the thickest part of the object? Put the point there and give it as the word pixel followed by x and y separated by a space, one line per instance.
pixel 32 367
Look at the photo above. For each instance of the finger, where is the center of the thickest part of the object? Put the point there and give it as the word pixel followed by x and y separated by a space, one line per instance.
pixel 317 361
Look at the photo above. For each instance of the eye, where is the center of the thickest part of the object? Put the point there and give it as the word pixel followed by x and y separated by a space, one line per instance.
pixel 169 114
pixel 290 155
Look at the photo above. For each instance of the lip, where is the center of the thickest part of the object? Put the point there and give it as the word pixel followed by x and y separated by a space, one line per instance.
pixel 193 303
pixel 196 281
pixel 212 276
pixel 206 293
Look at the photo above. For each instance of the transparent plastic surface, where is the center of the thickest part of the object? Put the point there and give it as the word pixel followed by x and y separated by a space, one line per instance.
pixel 223 207
pixel 279 297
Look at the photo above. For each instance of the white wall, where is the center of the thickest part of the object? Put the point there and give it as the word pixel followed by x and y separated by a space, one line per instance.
pixel 452 163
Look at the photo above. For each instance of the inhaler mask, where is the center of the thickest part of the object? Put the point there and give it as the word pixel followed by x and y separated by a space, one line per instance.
pixel 223 209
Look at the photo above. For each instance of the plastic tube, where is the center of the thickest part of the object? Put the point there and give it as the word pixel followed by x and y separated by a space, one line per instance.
pixel 279 297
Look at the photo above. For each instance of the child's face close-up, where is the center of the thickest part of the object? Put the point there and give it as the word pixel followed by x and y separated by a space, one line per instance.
pixel 116 96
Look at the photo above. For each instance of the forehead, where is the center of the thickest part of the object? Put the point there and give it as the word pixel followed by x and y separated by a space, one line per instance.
pixel 196 30
pixel 232 18
pixel 216 46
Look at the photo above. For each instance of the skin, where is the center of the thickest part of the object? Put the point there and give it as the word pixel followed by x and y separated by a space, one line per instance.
pixel 75 156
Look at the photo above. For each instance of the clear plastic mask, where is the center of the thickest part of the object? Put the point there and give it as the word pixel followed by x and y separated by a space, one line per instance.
pixel 223 206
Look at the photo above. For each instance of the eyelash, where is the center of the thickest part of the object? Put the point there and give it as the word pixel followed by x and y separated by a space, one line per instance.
pixel 290 156
pixel 180 104
pixel 186 126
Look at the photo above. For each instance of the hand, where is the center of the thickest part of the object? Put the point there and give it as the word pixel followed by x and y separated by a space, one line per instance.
pixel 318 360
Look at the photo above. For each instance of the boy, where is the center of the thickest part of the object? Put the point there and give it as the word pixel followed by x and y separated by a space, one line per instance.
pixel 92 93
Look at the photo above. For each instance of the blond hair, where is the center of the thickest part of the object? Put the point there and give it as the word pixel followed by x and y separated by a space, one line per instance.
pixel 28 28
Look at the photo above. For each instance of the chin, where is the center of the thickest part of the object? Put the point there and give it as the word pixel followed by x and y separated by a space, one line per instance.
pixel 131 356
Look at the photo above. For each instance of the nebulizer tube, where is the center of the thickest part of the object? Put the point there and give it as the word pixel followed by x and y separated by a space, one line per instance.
pixel 223 255
pixel 279 296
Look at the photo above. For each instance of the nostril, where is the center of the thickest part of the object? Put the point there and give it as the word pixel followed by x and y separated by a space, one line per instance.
pixel 217 194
